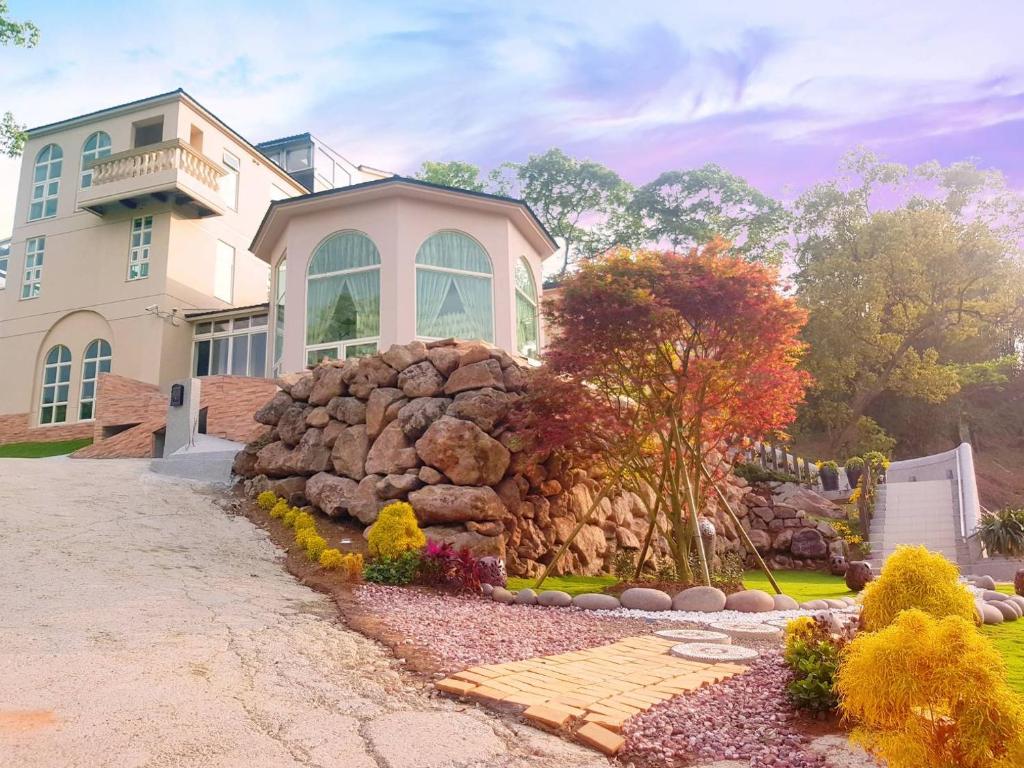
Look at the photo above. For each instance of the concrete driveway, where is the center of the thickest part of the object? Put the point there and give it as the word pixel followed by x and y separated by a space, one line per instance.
pixel 140 625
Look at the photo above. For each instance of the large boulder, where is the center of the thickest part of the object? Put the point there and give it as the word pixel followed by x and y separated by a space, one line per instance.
pixel 785 603
pixel 591 546
pixel 330 493
pixel 301 387
pixel 349 452
pixel 365 504
pixel 804 499
pixel 444 359
pixel 275 460
pixel 391 453
pixel 401 356
pixel 699 599
pixel 397 486
pixel 421 380
pixel 350 410
pixel 750 601
pixel 435 504
pixel 418 414
pixel 291 489
pixel 311 455
pixel 378 409
pixel 484 407
pixel 244 464
pixel 809 544
pixel 368 374
pixel 479 545
pixel 271 412
pixel 645 599
pixel 463 451
pixel 486 373
pixel 328 384
pixel 292 424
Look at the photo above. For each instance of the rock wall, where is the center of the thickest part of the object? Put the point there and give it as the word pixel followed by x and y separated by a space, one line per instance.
pixel 426 423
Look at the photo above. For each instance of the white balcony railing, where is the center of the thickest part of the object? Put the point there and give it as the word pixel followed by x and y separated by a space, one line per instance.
pixel 172 155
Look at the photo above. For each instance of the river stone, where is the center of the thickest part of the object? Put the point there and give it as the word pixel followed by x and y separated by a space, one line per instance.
pixel 839 605
pixel 502 595
pixel 990 614
pixel 990 595
pixel 1016 600
pixel 700 599
pixel 1017 609
pixel 645 599
pixel 1009 612
pixel 693 636
pixel 554 597
pixel 526 597
pixel 594 601
pixel 713 653
pixel 784 603
pixel 486 589
pixel 750 601
pixel 814 605
pixel 983 582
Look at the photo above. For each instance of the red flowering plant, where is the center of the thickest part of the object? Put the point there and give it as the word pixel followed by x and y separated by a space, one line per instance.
pixel 442 566
pixel 662 362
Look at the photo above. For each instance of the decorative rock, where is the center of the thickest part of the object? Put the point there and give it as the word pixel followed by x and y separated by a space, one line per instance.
pixel 502 595
pixel 311 455
pixel 401 356
pixel 288 380
pixel 808 543
pixel 814 605
pixel 784 603
pixel 713 653
pixel 291 489
pixel 444 359
pixel 837 565
pixel 421 380
pixel 349 452
pixel 694 636
pixel 377 408
pixel 486 373
pixel 483 407
pixel 526 597
pixel 275 460
pixel 1016 600
pixel 270 413
pixel 486 589
pixel 431 476
pixel 990 614
pixel 590 545
pixel 418 414
pixel 1009 611
pixel 452 504
pixel 292 424
pixel 391 452
pixel 331 494
pixel 990 594
pixel 555 598
pixel 858 574
pixel 645 599
pixel 351 410
pixel 301 387
pixel 700 599
pixel 1017 608
pixel 318 417
pixel 486 528
pixel 983 582
pixel 760 539
pixel 397 486
pixel 594 601
pixel 368 374
pixel 331 432
pixel 838 605
pixel 749 631
pixel 365 505
pixel 750 601
pixel 329 385
pixel 464 452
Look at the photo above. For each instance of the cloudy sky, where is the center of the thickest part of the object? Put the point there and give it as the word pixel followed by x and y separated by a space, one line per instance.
pixel 774 91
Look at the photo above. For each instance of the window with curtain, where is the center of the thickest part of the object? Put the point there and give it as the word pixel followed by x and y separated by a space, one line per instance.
pixel 53 407
pixel 527 332
pixel 46 182
pixel 279 284
pixel 453 288
pixel 343 297
pixel 95 361
pixel 95 147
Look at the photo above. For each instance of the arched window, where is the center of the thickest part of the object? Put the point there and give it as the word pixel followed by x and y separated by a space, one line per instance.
pixel 96 361
pixel 343 298
pixel 46 182
pixel 280 273
pixel 453 288
pixel 527 332
pixel 95 147
pixel 56 382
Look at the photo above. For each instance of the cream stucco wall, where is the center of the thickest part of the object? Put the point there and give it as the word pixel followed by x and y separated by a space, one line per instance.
pixel 85 289
pixel 398 225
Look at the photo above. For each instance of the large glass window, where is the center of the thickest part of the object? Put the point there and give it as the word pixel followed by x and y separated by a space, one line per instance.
pixel 229 182
pixel 32 284
pixel 527 332
pixel 53 407
pixel 297 159
pixel 343 298
pixel 224 272
pixel 138 252
pixel 95 361
pixel 95 147
pixel 46 182
pixel 279 288
pixel 234 346
pixel 453 288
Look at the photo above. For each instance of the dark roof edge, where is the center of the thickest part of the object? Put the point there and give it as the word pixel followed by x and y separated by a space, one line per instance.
pixel 226 311
pixel 106 110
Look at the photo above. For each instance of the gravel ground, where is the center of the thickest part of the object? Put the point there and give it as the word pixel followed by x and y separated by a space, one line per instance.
pixel 144 627
pixel 465 631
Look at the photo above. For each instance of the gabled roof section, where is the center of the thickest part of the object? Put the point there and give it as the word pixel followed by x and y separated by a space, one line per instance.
pixel 178 94
pixel 280 211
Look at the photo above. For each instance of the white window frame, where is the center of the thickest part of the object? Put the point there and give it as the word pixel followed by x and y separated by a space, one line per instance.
pixel 234 166
pixel 234 334
pixel 100 359
pixel 224 250
pixel 452 271
pixel 32 277
pixel 139 248
pixel 99 152
pixel 48 188
pixel 55 386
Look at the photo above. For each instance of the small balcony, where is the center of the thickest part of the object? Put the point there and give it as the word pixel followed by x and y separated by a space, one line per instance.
pixel 171 171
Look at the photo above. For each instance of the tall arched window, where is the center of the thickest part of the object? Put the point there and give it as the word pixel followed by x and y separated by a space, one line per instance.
pixel 96 361
pixel 527 332
pixel 56 383
pixel 453 288
pixel 95 147
pixel 343 298
pixel 46 182
pixel 279 285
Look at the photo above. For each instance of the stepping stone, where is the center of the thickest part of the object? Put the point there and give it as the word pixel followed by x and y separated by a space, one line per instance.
pixel 600 738
pixel 693 636
pixel 749 631
pixel 594 601
pixel 713 653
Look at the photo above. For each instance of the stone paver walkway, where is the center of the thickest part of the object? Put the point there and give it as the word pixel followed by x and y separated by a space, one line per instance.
pixel 600 687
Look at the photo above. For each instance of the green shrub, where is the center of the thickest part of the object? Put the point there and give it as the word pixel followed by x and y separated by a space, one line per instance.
pixel 266 500
pixel 854 462
pixel 813 655
pixel 1002 532
pixel 624 564
pixel 877 461
pixel 399 570
pixel 395 532
pixel 755 473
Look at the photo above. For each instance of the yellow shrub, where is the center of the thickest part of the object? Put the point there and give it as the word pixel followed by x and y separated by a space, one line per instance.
pixel 303 520
pixel 331 559
pixel 303 534
pixel 931 692
pixel 279 508
pixel 913 577
pixel 396 531
pixel 314 544
pixel 353 566
pixel 267 500
pixel 288 518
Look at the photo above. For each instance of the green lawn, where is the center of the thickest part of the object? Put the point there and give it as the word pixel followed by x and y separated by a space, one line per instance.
pixel 574 585
pixel 41 450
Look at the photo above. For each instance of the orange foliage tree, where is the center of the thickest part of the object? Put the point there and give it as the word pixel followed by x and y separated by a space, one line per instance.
pixel 662 362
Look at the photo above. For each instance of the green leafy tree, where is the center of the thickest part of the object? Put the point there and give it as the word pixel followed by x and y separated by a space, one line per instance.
pixel 896 296
pixel 688 208
pixel 453 173
pixel 23 34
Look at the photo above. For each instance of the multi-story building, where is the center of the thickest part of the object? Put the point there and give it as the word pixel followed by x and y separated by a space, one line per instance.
pixel 126 220
pixel 315 165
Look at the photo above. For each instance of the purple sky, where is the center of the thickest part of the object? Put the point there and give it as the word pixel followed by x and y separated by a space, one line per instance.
pixel 776 92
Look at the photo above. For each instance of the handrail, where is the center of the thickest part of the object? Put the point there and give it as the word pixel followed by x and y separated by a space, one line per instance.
pixel 173 154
